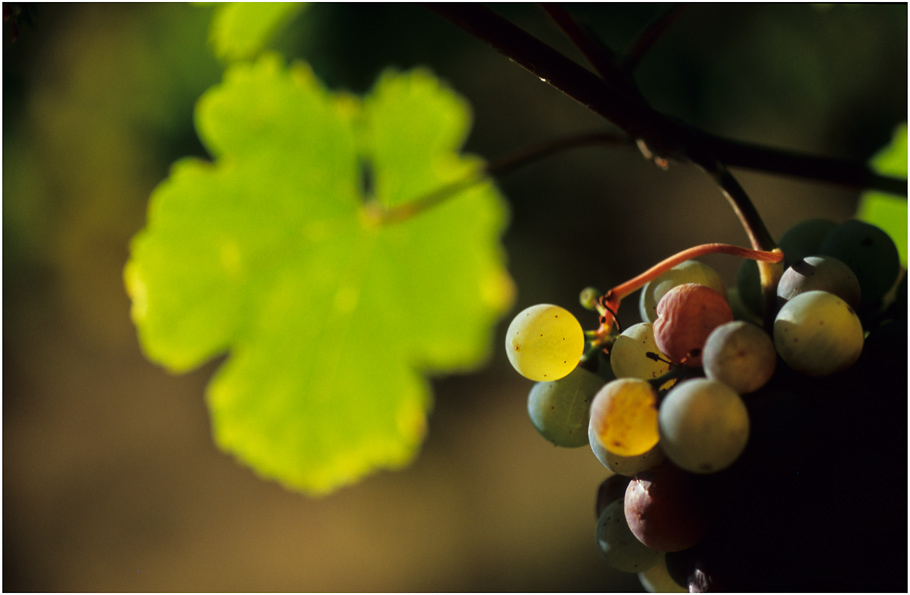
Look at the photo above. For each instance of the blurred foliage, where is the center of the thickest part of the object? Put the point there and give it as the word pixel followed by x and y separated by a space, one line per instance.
pixel 111 482
pixel 240 30
pixel 884 210
pixel 273 252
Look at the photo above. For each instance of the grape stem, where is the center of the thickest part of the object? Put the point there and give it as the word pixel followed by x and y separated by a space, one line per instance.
pixel 610 300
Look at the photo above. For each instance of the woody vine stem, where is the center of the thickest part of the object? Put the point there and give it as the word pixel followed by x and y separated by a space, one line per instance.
pixel 613 94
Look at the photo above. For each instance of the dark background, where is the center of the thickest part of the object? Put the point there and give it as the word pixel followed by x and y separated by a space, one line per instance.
pixel 110 479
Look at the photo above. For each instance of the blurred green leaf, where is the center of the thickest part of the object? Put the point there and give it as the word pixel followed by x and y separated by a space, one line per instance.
pixel 887 211
pixel 240 30
pixel 331 318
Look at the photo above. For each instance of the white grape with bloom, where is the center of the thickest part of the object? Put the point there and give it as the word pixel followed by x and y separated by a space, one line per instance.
pixel 823 273
pixel 544 342
pixel 741 355
pixel 704 425
pixel 817 333
pixel 635 354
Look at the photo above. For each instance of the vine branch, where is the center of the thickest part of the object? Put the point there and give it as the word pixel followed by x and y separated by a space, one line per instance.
pixel 663 137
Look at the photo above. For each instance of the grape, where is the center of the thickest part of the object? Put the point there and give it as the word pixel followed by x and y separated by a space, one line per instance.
pixel 610 490
pixel 824 273
pixel 657 579
pixel 617 543
pixel 663 510
pixel 801 240
pixel 624 417
pixel 544 342
pixel 741 355
pixel 634 354
pixel 704 425
pixel 817 333
pixel 691 271
pixel 559 408
pixel 804 238
pixel 625 466
pixel 686 316
pixel 869 252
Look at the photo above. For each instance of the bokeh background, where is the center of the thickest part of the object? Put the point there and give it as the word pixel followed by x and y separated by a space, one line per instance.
pixel 110 479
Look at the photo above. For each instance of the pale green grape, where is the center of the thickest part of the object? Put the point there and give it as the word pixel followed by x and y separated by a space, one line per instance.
pixel 691 271
pixel 624 417
pixel 625 466
pixel 741 355
pixel 622 550
pixel 634 354
pixel 704 425
pixel 559 408
pixel 544 342
pixel 817 333
pixel 657 579
pixel 824 273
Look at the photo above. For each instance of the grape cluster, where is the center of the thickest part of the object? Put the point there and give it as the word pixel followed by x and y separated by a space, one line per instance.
pixel 749 450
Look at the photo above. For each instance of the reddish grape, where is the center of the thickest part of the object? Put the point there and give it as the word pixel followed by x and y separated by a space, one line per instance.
pixel 663 510
pixel 686 316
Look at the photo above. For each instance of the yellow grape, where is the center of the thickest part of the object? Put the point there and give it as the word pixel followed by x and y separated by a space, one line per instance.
pixel 624 417
pixel 544 342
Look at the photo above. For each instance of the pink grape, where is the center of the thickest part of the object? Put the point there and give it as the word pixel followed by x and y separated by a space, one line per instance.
pixel 686 315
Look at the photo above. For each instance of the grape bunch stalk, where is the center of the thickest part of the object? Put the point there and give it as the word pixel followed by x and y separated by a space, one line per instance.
pixel 750 448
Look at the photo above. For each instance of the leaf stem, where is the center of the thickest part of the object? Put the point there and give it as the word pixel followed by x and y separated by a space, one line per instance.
pixel 404 211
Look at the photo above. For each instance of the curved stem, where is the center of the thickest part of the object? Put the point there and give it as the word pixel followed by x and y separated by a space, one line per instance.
pixel 624 289
pixel 610 301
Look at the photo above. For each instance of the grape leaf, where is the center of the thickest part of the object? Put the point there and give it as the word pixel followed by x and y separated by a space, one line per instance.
pixel 887 211
pixel 240 30
pixel 331 317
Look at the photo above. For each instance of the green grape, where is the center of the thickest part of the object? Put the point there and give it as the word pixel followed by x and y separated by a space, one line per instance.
pixel 817 333
pixel 657 579
pixel 801 240
pixel 691 271
pixel 610 490
pixel 804 238
pixel 824 273
pixel 704 425
pixel 559 408
pixel 544 342
pixel 741 355
pixel 622 550
pixel 624 417
pixel 869 252
pixel 634 354
pixel 625 466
